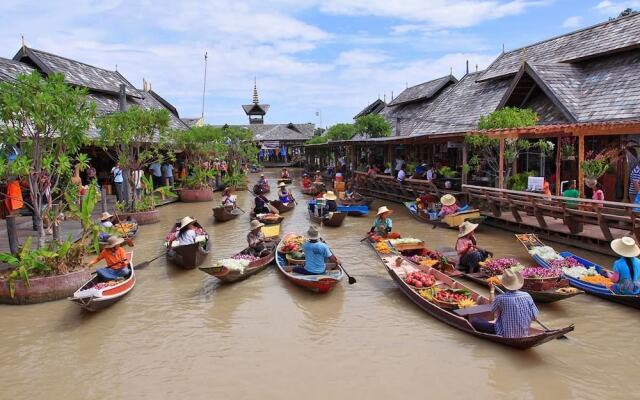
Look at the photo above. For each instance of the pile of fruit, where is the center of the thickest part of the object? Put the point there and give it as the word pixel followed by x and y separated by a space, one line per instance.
pixel 568 262
pixel 495 266
pixel 597 280
pixel 296 255
pixel 494 280
pixel 452 296
pixel 426 261
pixel 538 272
pixel 383 247
pixel 102 285
pixel 125 227
pixel 420 279
pixel 292 244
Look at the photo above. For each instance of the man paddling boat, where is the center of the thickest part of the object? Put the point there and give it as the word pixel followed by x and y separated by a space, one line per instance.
pixel 315 255
pixel 116 259
pixel 256 240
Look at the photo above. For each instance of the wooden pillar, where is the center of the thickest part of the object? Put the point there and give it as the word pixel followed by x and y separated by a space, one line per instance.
pixel 12 234
pixel 465 156
pixel 390 155
pixel 558 166
pixel 501 165
pixel 580 160
pixel 103 199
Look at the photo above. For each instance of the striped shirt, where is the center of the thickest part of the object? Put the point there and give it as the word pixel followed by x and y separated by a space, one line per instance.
pixel 516 311
pixel 634 176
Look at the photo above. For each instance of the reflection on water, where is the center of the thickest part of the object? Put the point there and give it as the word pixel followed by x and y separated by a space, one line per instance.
pixel 182 334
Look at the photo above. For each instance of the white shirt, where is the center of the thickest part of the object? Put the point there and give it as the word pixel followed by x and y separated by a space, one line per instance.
pixel 229 201
pixel 106 224
pixel 137 178
pixel 398 164
pixel 430 174
pixel 188 237
pixel 401 175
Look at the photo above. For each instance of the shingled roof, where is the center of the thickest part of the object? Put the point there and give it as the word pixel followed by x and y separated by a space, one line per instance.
pixel 281 132
pixel 423 91
pixel 616 35
pixel 10 69
pixel 373 108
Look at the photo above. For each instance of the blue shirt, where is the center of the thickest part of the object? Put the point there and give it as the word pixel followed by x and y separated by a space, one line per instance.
pixel 517 310
pixel 626 284
pixel 314 255
pixel 634 176
pixel 167 171
pixel 117 175
pixel 155 169
pixel 380 227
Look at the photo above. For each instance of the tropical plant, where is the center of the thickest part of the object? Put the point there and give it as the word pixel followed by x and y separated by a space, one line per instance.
pixel 199 178
pixel 520 181
pixel 568 147
pixel 466 168
pixel 148 198
pixel 236 180
pixel 48 120
pixel 508 117
pixel 373 126
pixel 25 263
pixel 83 212
pixel 447 172
pixel 595 167
pixel 545 147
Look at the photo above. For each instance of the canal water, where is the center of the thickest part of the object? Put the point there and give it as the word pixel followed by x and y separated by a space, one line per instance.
pixel 181 334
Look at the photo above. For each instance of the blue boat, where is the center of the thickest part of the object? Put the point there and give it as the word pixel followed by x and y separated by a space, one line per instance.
pixel 354 211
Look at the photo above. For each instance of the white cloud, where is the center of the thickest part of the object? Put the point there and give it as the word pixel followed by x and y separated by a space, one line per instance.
pixel 613 8
pixel 357 57
pixel 572 22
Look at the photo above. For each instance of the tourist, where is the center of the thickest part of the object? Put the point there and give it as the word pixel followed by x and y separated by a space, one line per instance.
pixel 262 182
pixel 626 269
pixel 156 174
pixel 187 232
pixel 514 310
pixel 261 205
pixel 283 194
pixel 315 255
pixel 256 240
pixel 398 165
pixel 285 174
pixel 449 206
pixel 571 192
pixel 14 200
pixel 401 175
pixel 116 176
pixel 634 184
pixel 431 173
pixel 116 259
pixel 598 194
pixel 306 182
pixel 228 199
pixel 466 246
pixel 420 171
pixel 330 206
pixel 167 174
pixel 382 224
pixel 387 170
pixel 371 170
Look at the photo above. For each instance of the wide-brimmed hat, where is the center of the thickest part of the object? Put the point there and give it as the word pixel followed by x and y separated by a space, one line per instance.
pixel 105 216
pixel 282 184
pixel 512 280
pixel 466 228
pixel 262 175
pixel 382 210
pixel 313 233
pixel 625 247
pixel 317 171
pixel 329 196
pixel 255 224
pixel 186 221
pixel 448 200
pixel 113 241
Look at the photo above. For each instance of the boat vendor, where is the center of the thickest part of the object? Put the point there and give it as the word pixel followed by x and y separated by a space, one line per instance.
pixel 285 174
pixel 256 240
pixel 187 232
pixel 263 206
pixel 315 255
pixel 262 181
pixel 228 199
pixel 283 194
pixel 466 247
pixel 626 269
pixel 383 224
pixel 350 193
pixel 106 221
pixel 318 177
pixel 116 259
pixel 514 310
pixel 306 182
pixel 449 205
pixel 330 202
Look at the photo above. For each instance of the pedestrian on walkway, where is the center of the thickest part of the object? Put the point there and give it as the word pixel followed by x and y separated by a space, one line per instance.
pixel 116 176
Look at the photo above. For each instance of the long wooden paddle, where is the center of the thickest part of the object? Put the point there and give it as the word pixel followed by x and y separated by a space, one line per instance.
pixel 351 279
pixel 145 264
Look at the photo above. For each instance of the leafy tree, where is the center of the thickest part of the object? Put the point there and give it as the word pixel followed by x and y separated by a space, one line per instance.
pixel 138 137
pixel 318 139
pixel 48 120
pixel 341 132
pixel 508 117
pixel 373 126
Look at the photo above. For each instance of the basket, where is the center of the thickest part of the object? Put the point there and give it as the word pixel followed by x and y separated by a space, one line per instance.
pixel 271 231
pixel 294 261
pixel 541 284
pixel 408 246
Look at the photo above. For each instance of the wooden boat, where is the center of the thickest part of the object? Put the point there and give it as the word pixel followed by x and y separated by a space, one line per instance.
pixel 542 296
pixel 312 190
pixel 258 189
pixel 286 181
pixel 281 207
pixel 191 255
pixel 459 318
pixel 448 221
pixel 335 219
pixel 316 283
pixel 130 232
pixel 267 219
pixel 360 201
pixel 96 295
pixel 229 276
pixel 354 211
pixel 444 265
pixel 225 213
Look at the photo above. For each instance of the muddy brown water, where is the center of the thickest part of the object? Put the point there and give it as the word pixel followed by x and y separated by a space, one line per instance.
pixel 181 334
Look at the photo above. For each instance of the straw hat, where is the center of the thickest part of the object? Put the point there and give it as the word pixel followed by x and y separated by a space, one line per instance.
pixel 261 175
pixel 184 222
pixel 383 210
pixel 113 241
pixel 448 200
pixel 329 196
pixel 625 247
pixel 255 224
pixel 466 228
pixel 105 216
pixel 512 280
pixel 282 184
pixel 317 171
pixel 313 233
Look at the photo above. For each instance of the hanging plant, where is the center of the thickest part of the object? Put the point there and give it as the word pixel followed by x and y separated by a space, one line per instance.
pixel 568 148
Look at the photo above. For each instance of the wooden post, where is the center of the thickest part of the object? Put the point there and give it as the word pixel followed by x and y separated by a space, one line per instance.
pixel 56 223
pixel 12 234
pixel 580 160
pixel 465 155
pixel 103 199
pixel 501 165
pixel 558 167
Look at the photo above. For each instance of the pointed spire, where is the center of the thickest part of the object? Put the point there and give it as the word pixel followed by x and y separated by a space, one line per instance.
pixel 523 55
pixel 24 46
pixel 255 91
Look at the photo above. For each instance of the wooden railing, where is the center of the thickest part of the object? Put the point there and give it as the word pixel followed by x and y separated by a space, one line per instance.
pixel 574 213
pixel 388 188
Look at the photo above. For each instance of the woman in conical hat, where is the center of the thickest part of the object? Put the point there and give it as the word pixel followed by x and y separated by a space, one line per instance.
pixel 466 247
pixel 383 224
pixel 626 269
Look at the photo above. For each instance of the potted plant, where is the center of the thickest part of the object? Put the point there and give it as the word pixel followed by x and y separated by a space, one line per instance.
pixel 594 167
pixel 448 174
pixel 143 210
pixel 568 148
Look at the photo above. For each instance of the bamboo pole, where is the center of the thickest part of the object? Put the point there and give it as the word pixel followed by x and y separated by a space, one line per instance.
pixel 501 165
pixel 580 160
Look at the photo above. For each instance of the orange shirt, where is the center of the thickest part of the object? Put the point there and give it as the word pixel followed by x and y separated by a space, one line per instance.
pixel 306 183
pixel 116 258
pixel 14 196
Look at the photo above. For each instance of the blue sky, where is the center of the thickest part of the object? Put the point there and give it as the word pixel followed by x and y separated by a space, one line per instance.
pixel 308 55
